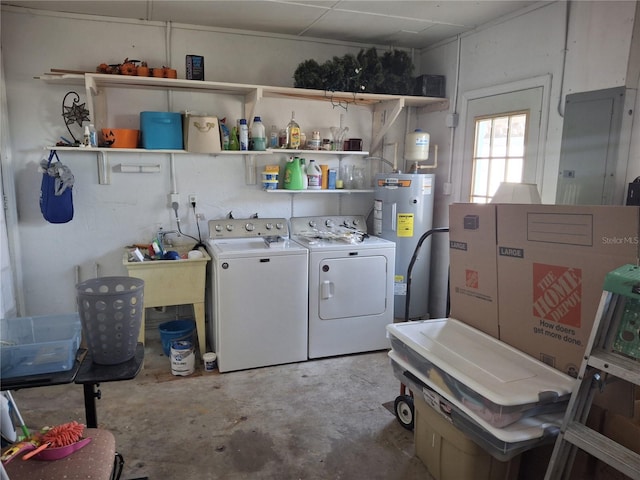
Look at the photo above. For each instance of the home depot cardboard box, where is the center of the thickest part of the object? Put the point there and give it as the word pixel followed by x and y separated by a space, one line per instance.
pixel 552 261
pixel 474 269
pixel 625 431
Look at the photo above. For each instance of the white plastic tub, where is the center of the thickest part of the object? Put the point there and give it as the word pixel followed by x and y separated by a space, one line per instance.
pixel 487 377
pixel 501 443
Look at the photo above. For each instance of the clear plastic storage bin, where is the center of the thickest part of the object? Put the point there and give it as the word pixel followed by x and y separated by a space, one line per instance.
pixel 501 443
pixel 487 377
pixel 37 345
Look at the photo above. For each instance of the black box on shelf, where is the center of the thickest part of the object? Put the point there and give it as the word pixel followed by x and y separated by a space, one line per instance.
pixel 195 67
pixel 430 86
pixel 633 194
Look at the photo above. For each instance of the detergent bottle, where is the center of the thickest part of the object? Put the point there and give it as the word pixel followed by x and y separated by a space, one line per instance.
pixel 293 174
pixel 234 144
pixel 314 175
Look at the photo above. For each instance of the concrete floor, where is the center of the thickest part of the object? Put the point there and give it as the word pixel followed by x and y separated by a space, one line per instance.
pixel 321 419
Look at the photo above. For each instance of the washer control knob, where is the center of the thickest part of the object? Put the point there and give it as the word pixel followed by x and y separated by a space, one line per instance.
pixel 269 226
pixel 249 227
pixel 218 228
pixel 329 223
pixel 356 222
pixel 229 227
pixel 312 223
pixel 279 226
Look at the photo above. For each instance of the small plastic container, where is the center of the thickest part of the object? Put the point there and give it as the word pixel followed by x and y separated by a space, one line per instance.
pixel 210 360
pixel 36 345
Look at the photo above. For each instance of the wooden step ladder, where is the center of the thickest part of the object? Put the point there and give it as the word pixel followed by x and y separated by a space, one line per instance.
pixel 613 350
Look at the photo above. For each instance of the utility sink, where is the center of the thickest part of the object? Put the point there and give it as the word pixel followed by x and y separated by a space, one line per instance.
pixel 182 250
pixel 173 282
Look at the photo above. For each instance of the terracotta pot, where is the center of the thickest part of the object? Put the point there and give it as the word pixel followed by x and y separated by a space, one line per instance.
pixel 170 73
pixel 157 72
pixel 144 71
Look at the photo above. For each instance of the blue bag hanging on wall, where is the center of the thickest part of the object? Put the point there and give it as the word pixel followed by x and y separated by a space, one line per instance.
pixel 56 190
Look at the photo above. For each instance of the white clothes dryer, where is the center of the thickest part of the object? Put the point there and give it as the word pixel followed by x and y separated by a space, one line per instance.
pixel 350 284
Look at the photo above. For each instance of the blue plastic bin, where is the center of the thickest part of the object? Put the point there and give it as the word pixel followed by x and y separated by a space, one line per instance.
pixel 36 345
pixel 176 331
pixel 161 130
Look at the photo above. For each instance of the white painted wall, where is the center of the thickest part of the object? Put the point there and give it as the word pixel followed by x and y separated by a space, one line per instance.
pixel 108 217
pixel 134 205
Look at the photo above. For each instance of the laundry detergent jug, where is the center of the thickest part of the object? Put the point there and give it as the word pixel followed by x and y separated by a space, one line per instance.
pixel 293 174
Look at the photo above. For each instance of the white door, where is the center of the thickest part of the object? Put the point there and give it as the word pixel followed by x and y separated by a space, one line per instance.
pixel 530 96
pixel 352 287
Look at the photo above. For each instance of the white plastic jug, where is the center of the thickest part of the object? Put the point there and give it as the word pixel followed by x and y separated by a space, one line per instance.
pixel 314 176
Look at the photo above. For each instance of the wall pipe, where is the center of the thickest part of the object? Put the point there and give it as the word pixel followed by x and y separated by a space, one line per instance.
pixel 454 105
pixel 167 56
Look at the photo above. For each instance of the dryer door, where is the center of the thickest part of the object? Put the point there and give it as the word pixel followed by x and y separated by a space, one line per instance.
pixel 352 287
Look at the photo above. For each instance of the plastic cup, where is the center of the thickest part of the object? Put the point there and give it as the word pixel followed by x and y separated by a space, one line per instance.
pixel 210 362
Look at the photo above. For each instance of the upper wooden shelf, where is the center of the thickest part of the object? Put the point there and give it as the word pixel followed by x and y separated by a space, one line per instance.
pixel 97 80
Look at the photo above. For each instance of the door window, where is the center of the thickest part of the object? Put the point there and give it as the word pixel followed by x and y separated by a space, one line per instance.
pixel 498 154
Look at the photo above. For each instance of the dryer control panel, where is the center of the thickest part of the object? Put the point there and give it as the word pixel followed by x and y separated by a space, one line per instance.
pixel 328 223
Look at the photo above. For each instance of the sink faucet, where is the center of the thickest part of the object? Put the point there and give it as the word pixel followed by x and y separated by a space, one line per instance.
pixel 162 234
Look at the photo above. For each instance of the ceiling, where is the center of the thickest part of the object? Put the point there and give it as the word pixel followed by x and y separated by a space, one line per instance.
pixel 398 23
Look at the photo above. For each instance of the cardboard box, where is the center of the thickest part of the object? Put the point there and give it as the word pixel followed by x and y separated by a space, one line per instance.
pixel 625 431
pixel 552 262
pixel 449 454
pixel 474 269
pixel 533 465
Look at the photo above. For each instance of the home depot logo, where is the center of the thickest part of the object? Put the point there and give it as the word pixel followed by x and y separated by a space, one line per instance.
pixel 471 279
pixel 557 293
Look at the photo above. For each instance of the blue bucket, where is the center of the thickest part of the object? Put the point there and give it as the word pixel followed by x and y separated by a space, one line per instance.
pixel 176 331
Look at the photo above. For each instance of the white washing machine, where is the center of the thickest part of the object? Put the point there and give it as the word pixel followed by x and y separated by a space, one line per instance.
pixel 350 284
pixel 257 294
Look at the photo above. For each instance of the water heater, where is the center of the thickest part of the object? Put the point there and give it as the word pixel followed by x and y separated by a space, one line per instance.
pixel 403 211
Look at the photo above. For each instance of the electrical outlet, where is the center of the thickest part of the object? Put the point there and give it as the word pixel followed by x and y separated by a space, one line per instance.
pixel 193 199
pixel 174 198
